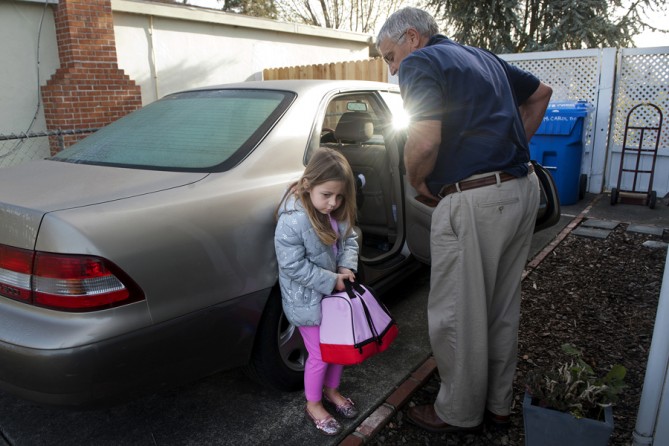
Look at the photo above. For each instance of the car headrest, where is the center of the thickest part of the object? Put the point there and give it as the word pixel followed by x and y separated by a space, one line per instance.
pixel 355 127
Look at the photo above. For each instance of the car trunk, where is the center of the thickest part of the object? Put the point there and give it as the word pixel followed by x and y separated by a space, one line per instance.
pixel 58 186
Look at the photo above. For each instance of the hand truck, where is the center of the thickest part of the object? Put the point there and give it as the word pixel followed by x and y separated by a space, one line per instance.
pixel 635 134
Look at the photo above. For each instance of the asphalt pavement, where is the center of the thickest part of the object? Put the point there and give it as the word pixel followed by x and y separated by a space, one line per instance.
pixel 228 408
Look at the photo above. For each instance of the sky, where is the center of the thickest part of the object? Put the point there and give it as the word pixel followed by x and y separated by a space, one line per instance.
pixel 644 40
pixel 649 39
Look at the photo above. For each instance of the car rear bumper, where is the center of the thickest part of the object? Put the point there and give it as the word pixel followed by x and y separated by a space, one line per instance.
pixel 216 338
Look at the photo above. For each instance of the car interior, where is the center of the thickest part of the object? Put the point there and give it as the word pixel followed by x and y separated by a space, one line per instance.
pixel 361 131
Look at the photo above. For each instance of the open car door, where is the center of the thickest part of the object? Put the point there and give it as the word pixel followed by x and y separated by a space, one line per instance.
pixel 417 211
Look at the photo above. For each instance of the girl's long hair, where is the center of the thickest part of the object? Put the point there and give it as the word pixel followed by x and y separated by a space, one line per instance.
pixel 326 165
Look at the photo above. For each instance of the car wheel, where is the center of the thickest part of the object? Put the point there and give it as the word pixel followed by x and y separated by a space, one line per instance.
pixel 279 354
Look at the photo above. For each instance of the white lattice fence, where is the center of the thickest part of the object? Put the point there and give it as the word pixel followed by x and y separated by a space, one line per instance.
pixel 641 99
pixel 614 81
pixel 572 79
pixel 573 76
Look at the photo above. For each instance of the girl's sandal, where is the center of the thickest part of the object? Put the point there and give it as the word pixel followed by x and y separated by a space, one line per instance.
pixel 346 410
pixel 328 425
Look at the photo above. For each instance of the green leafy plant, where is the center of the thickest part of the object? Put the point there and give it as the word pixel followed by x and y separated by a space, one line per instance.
pixel 574 387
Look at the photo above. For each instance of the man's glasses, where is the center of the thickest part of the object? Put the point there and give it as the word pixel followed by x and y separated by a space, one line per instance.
pixel 390 57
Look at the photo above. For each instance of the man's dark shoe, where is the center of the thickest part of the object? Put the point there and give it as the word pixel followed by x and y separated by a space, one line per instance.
pixel 499 421
pixel 425 417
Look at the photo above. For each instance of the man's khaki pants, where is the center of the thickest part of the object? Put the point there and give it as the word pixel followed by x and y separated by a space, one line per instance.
pixel 479 246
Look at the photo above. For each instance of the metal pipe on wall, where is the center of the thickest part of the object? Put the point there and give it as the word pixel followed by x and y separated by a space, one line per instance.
pixel 656 371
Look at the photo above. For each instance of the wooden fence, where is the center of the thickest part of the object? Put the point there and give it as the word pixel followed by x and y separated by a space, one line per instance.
pixel 371 70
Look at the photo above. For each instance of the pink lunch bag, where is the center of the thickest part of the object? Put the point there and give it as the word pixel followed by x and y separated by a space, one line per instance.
pixel 354 326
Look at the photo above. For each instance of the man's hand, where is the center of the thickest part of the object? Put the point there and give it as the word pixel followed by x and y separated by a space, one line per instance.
pixel 423 190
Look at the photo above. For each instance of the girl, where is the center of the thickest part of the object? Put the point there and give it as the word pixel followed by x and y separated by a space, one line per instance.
pixel 317 250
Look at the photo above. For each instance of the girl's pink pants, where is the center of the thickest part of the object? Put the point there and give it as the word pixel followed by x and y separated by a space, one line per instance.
pixel 316 372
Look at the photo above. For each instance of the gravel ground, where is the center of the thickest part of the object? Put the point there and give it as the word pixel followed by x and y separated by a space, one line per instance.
pixel 600 295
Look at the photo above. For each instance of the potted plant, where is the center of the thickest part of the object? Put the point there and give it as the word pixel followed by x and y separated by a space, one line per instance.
pixel 570 404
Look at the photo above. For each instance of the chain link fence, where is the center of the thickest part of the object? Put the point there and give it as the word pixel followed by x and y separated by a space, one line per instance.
pixel 17 149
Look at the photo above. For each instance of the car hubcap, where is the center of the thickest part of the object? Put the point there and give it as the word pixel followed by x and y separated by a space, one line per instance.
pixel 291 347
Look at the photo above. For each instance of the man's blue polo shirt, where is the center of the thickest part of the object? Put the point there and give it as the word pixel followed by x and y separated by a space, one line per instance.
pixel 475 95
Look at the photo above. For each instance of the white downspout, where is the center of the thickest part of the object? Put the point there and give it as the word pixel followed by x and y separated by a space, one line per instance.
pixel 656 370
pixel 152 59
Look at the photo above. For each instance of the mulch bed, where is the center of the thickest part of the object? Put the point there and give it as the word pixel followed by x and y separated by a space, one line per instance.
pixel 600 295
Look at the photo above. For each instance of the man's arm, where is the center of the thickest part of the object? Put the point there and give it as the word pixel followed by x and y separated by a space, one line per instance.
pixel 420 153
pixel 533 109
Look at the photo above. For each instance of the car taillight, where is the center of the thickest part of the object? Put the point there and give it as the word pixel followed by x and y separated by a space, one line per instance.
pixel 15 273
pixel 63 282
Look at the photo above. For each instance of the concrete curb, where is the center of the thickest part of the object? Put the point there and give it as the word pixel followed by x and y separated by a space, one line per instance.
pixel 378 419
pixel 382 415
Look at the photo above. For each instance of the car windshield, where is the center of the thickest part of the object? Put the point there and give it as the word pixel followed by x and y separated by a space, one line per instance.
pixel 192 131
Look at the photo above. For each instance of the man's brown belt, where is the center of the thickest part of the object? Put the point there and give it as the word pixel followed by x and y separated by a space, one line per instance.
pixel 479 182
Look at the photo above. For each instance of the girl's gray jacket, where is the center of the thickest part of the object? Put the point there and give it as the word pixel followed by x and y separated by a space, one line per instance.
pixel 307 267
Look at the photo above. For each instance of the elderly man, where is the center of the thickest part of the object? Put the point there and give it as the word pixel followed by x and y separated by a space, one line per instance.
pixel 472 115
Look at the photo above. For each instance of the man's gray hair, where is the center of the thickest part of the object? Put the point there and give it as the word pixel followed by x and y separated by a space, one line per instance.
pixel 406 18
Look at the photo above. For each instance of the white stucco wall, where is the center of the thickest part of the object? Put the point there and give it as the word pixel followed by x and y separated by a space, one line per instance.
pixel 163 48
pixel 25 50
pixel 166 48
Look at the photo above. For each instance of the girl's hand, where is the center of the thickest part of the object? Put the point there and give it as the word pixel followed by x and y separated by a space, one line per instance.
pixel 350 275
pixel 344 274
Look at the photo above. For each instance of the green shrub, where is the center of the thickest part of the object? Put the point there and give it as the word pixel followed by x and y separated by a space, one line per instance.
pixel 574 387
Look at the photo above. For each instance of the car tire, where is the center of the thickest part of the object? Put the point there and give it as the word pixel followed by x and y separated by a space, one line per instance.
pixel 279 355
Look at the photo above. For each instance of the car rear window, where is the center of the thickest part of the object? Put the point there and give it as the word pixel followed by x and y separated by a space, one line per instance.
pixel 192 131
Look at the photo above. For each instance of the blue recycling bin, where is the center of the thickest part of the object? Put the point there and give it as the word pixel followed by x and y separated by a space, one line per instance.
pixel 558 146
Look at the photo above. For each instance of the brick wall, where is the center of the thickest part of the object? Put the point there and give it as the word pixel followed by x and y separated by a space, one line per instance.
pixel 88 90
